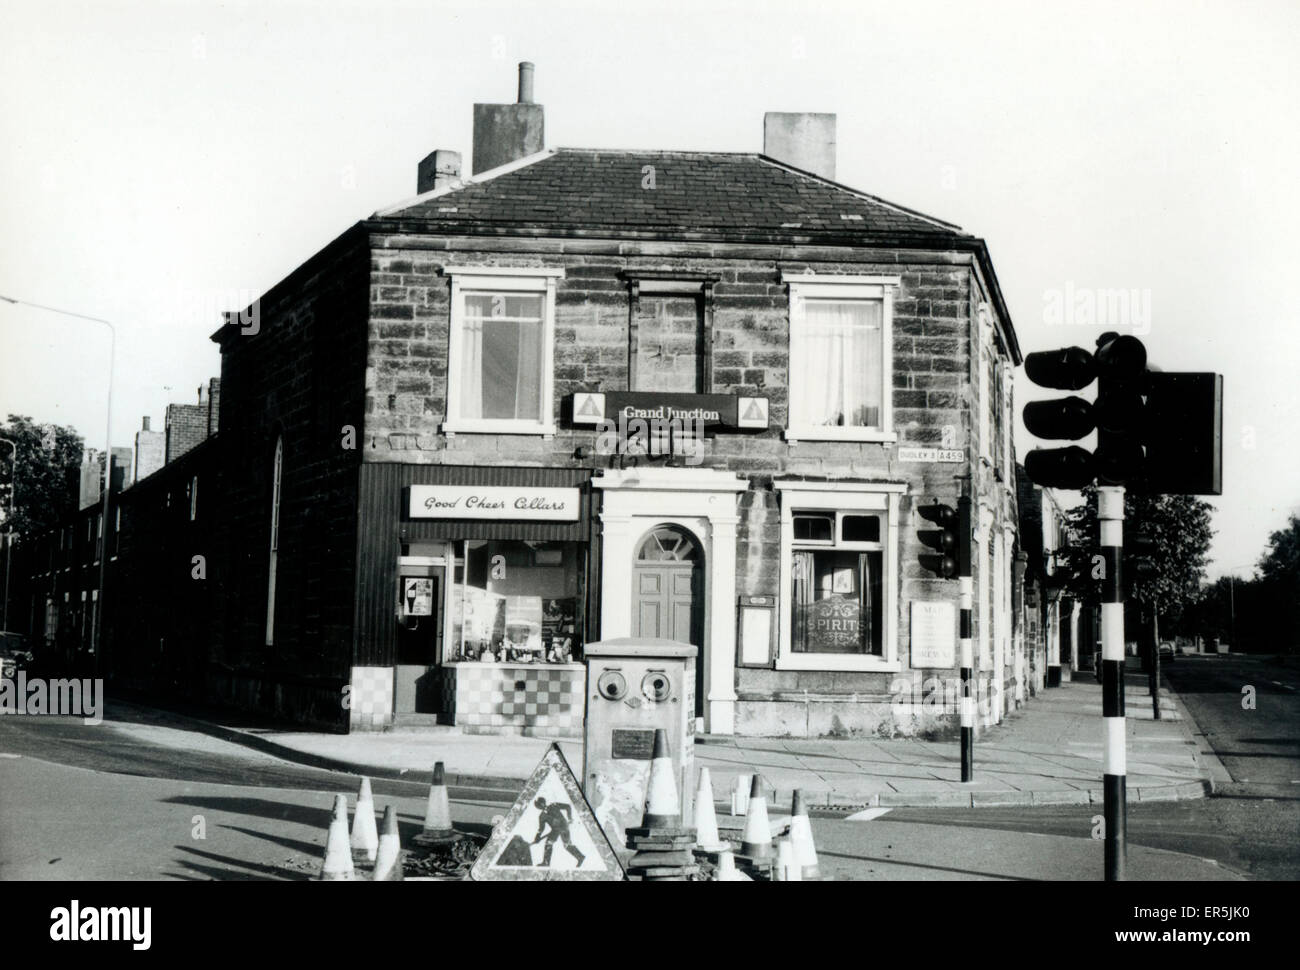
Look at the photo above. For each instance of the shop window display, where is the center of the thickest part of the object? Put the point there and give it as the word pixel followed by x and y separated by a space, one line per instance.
pixel 837 589
pixel 516 602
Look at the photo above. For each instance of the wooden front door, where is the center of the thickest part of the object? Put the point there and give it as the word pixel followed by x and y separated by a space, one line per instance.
pixel 668 594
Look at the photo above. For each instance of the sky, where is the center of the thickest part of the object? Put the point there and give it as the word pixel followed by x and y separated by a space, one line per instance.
pixel 165 161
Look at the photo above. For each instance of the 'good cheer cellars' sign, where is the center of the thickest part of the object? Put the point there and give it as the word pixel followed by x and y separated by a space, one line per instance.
pixel 492 502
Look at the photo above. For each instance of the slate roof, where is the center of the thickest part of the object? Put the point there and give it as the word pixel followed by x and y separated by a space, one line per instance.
pixel 693 191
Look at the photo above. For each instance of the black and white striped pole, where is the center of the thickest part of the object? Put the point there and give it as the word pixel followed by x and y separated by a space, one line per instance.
pixel 1110 515
pixel 966 593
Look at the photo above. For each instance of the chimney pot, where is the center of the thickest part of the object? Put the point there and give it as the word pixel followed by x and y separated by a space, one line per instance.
pixel 145 426
pixel 525 82
pixel 803 140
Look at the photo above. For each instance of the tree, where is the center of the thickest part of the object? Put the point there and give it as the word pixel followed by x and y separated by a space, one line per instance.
pixel 1281 562
pixel 1279 580
pixel 1179 526
pixel 48 474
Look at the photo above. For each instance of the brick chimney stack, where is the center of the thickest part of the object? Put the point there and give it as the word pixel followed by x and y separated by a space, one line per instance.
pixel 505 133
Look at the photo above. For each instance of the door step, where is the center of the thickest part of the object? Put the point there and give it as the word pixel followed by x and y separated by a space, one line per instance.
pixel 426 723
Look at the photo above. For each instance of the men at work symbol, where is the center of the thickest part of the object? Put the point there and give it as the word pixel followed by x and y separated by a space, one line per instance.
pixel 552 824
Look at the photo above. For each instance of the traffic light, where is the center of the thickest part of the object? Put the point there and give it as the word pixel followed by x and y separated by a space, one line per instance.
pixel 943 540
pixel 1120 410
pixel 1158 433
pixel 1118 415
pixel 1139 554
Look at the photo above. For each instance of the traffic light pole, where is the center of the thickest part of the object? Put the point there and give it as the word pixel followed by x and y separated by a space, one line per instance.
pixel 1153 636
pixel 966 593
pixel 1110 514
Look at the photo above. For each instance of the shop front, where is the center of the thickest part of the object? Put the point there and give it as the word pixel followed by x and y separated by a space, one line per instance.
pixel 488 576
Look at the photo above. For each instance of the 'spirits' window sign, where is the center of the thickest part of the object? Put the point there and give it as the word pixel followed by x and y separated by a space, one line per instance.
pixel 492 502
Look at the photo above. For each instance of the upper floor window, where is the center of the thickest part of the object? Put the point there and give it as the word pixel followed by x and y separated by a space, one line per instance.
pixel 841 357
pixel 501 350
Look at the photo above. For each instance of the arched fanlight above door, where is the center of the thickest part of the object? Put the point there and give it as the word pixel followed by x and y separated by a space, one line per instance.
pixel 668 544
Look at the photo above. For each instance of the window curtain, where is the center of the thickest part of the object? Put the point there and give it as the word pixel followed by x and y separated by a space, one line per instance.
pixel 843 366
pixel 471 360
pixel 803 596
pixel 501 357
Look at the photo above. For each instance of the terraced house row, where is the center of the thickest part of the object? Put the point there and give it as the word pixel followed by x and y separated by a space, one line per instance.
pixel 577 394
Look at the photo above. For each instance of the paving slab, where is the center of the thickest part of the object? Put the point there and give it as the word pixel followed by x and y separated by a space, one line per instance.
pixel 1050 750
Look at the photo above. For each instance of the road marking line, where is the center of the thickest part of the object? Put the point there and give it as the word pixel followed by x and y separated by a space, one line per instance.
pixel 866 815
pixel 5 754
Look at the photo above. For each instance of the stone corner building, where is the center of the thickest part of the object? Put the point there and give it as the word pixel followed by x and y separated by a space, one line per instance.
pixel 425 518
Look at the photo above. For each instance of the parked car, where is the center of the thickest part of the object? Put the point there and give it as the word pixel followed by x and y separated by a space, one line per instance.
pixel 14 655
pixel 1167 652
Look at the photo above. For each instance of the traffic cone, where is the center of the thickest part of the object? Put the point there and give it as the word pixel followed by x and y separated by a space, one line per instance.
pixel 388 857
pixel 663 809
pixel 706 819
pixel 787 868
pixel 727 871
pixel 338 856
pixel 756 843
pixel 437 816
pixel 805 852
pixel 740 794
pixel 365 839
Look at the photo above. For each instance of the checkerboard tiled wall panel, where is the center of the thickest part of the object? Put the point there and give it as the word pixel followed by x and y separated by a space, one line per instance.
pixel 372 698
pixel 533 700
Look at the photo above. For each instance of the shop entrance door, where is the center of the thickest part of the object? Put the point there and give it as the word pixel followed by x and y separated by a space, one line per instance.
pixel 421 610
pixel 668 594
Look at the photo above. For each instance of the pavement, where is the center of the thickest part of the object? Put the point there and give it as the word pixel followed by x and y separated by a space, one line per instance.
pixel 1047 753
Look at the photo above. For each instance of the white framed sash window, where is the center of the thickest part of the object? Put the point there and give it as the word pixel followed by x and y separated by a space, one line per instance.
pixel 841 358
pixel 501 351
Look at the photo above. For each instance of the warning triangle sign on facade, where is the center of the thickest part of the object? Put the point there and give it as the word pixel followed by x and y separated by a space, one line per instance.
pixel 589 408
pixel 549 834
pixel 755 411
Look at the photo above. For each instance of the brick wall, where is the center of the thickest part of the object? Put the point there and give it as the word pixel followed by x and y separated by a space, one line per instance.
pixel 187 427
pixel 299 377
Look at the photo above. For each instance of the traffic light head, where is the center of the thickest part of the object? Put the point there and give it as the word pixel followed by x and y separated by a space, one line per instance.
pixel 1120 411
pixel 1118 415
pixel 943 539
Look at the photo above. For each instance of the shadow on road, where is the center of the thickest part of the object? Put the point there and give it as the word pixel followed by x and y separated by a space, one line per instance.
pixel 922 865
pixel 259 871
pixel 258 807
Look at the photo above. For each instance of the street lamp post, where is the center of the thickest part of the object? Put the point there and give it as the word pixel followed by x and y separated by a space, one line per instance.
pixel 98 631
pixel 9 520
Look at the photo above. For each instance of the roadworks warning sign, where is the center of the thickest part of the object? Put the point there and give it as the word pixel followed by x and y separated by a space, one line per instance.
pixel 550 833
